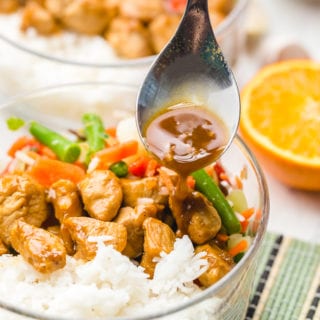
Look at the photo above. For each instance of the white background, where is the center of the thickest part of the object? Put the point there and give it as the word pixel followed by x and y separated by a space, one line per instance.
pixel 295 213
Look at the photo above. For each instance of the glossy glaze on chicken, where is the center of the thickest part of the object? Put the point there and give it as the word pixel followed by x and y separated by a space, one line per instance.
pixel 50 208
pixel 134 28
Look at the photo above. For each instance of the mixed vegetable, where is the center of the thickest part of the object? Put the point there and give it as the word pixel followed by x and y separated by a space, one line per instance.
pixel 57 192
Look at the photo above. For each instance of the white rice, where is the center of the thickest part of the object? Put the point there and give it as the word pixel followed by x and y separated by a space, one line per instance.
pixel 23 71
pixel 109 285
pixel 93 49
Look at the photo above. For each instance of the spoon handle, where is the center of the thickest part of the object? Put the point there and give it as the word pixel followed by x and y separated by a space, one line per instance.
pixel 195 26
pixel 201 4
pixel 195 38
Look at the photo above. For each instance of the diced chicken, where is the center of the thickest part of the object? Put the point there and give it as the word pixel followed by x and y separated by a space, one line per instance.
pixel 21 197
pixel 134 191
pixel 168 179
pixel 129 38
pixel 223 6
pixel 220 263
pixel 57 7
pixel 101 194
pixel 76 233
pixel 35 16
pixel 133 219
pixel 141 9
pixel 8 6
pixel 162 28
pixel 195 216
pixel 112 5
pixel 158 237
pixel 205 222
pixel 65 198
pixel 55 230
pixel 87 16
pixel 193 212
pixel 40 2
pixel 3 248
pixel 43 250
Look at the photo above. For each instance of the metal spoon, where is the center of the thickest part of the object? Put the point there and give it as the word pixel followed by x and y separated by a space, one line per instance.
pixel 191 68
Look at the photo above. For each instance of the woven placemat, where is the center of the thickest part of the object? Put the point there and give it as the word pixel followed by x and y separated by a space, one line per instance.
pixel 287 283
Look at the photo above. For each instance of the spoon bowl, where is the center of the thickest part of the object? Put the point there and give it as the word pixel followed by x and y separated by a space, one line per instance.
pixel 191 69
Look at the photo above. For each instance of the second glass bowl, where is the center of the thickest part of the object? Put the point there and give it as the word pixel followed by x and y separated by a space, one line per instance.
pixel 26 64
pixel 62 107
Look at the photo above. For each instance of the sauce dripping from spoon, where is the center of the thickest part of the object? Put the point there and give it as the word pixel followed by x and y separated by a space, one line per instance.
pixel 186 137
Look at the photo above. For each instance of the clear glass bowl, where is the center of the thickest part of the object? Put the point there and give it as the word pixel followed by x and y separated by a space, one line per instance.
pixel 41 67
pixel 229 34
pixel 63 106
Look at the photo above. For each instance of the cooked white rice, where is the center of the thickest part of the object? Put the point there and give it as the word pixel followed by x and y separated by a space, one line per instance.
pixel 109 285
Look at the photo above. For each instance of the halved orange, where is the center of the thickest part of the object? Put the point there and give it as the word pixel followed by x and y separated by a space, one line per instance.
pixel 280 121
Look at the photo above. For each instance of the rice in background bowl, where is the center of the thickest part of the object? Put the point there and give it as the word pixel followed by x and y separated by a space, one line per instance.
pixel 70 57
pixel 136 297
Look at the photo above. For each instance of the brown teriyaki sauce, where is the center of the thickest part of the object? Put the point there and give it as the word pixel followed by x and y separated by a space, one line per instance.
pixel 186 137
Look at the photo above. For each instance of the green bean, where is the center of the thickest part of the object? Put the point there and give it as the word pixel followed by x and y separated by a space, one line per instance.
pixel 208 187
pixel 94 132
pixel 238 257
pixel 65 150
pixel 120 169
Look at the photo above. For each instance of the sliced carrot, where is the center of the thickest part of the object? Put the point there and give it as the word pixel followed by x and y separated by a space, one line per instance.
pixel 177 5
pixel 223 176
pixel 152 168
pixel 139 166
pixel 191 182
pixel 111 131
pixel 25 141
pixel 111 141
pixel 47 171
pixel 209 170
pixel 244 225
pixel 247 214
pixel 21 143
pixel 238 183
pixel 46 152
pixel 257 220
pixel 241 246
pixel 33 155
pixel 116 153
pixel 218 168
pixel 222 237
pixel 81 165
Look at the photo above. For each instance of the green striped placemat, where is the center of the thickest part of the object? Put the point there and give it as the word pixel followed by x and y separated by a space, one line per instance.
pixel 287 285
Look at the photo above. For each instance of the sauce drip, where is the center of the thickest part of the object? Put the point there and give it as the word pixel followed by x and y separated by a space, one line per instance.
pixel 186 138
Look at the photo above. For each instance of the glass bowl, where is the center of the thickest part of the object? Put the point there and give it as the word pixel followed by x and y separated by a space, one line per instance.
pixel 43 67
pixel 62 107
